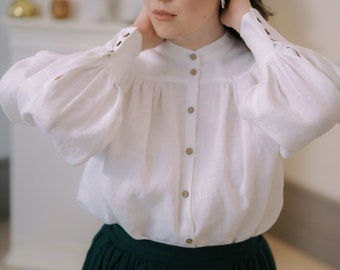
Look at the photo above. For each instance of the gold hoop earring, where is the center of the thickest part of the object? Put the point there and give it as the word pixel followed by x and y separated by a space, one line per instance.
pixel 223 4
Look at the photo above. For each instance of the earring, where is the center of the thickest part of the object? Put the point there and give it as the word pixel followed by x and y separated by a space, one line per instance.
pixel 222 4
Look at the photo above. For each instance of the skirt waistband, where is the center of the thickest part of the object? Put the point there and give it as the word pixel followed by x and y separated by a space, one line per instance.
pixel 211 255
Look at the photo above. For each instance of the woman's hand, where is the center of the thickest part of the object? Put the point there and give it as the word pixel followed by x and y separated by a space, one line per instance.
pixel 144 25
pixel 232 14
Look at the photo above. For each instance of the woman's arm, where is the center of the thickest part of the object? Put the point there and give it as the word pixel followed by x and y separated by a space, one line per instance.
pixel 295 96
pixel 74 99
pixel 144 26
pixel 233 13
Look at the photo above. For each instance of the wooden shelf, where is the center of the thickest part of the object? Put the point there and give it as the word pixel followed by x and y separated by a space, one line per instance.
pixel 66 25
pixel 27 36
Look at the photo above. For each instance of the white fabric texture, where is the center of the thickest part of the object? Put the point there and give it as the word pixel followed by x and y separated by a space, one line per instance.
pixel 180 144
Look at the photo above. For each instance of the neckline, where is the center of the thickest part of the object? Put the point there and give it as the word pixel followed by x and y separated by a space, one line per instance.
pixel 209 51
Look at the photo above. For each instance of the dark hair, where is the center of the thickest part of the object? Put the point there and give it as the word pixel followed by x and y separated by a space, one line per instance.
pixel 262 8
pixel 257 4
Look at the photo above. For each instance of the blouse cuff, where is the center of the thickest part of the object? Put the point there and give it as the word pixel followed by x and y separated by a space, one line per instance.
pixel 259 36
pixel 123 44
pixel 123 36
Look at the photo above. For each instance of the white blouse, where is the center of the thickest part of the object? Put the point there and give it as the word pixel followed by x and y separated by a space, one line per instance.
pixel 182 147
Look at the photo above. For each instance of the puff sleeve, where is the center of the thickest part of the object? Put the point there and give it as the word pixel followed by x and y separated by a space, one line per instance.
pixel 297 95
pixel 74 99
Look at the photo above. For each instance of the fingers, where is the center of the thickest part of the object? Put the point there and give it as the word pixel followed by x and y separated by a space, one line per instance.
pixel 233 13
pixel 150 38
pixel 142 21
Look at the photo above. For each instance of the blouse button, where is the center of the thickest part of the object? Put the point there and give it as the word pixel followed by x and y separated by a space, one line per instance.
pixel 185 194
pixel 268 33
pixel 126 35
pixel 189 151
pixel 189 241
pixel 191 110
pixel 118 44
pixel 193 72
pixel 193 56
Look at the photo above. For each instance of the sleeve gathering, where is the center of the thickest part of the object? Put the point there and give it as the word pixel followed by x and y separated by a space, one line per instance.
pixel 74 99
pixel 297 96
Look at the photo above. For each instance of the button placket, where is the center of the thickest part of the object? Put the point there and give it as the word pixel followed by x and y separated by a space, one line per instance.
pixel 185 194
pixel 193 56
pixel 193 72
pixel 192 99
pixel 187 176
pixel 191 109
pixel 189 241
pixel 189 151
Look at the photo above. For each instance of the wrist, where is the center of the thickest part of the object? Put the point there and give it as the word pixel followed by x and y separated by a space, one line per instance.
pixel 239 16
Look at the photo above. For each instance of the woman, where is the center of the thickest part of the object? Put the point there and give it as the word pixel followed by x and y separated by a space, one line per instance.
pixel 184 128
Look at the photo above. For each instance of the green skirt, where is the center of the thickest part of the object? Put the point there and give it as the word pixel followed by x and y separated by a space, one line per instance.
pixel 114 249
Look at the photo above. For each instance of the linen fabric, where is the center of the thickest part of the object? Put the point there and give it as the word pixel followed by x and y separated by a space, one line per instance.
pixel 181 147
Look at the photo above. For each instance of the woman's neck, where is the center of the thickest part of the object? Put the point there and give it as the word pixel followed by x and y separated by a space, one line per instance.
pixel 199 39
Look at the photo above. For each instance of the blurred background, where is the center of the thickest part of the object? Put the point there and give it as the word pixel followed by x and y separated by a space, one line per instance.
pixel 38 189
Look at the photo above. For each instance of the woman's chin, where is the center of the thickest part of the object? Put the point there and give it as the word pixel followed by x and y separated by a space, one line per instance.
pixel 164 34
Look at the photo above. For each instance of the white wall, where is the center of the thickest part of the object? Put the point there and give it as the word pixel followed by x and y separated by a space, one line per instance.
pixel 314 24
pixel 4 62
